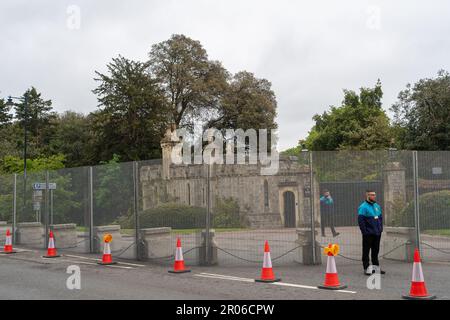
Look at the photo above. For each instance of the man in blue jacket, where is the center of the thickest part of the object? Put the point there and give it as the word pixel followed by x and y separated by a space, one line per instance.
pixel 370 222
pixel 327 213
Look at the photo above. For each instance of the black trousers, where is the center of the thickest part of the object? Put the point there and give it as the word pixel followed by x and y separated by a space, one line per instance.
pixel 326 220
pixel 371 243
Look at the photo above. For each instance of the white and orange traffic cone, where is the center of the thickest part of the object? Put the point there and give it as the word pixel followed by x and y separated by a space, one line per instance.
pixel 267 274
pixel 8 249
pixel 418 289
pixel 107 256
pixel 51 250
pixel 331 276
pixel 178 266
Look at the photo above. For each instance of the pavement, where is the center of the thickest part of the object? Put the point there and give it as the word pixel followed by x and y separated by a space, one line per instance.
pixel 26 275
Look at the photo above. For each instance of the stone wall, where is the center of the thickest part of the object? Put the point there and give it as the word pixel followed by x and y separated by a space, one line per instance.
pixel 242 182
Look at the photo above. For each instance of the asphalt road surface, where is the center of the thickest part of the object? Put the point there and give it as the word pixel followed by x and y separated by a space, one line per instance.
pixel 26 275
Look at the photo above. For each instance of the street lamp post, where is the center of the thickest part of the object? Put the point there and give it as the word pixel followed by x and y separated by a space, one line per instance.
pixel 25 102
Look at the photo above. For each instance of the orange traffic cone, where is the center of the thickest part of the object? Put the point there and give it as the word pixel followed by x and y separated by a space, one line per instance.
pixel 267 274
pixel 8 249
pixel 178 266
pixel 331 277
pixel 418 289
pixel 107 256
pixel 51 250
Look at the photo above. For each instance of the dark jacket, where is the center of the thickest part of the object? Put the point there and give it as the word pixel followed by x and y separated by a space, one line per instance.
pixel 370 219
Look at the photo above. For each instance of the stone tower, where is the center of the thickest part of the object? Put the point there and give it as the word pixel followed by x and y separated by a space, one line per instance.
pixel 167 144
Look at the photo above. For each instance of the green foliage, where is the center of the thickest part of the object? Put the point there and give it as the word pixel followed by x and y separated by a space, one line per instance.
pixel 422 114
pixel 67 203
pixel 349 165
pixel 5 115
pixel 73 137
pixel 226 214
pixel 6 197
pixel 113 190
pixel 172 215
pixel 192 84
pixel 37 115
pixel 248 103
pixel 10 164
pixel 133 114
pixel 11 137
pixel 178 216
pixel 137 102
pixel 434 213
pixel 359 123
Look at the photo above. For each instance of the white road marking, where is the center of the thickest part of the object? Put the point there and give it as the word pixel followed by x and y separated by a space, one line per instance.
pixel 225 277
pixel 95 259
pixel 295 285
pixel 95 264
pixel 307 287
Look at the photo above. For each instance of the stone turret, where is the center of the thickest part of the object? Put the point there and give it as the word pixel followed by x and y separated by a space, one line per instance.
pixel 167 144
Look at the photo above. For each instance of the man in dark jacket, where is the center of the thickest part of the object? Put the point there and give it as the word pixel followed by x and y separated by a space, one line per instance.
pixel 370 222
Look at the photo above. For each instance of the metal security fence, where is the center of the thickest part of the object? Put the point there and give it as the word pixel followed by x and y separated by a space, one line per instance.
pixel 224 213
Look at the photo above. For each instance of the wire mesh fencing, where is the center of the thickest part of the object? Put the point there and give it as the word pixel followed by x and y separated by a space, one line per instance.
pixel 224 213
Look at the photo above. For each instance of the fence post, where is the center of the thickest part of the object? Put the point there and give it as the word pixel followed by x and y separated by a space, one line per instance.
pixel 312 199
pixel 91 211
pixel 136 206
pixel 416 199
pixel 208 214
pixel 46 216
pixel 14 221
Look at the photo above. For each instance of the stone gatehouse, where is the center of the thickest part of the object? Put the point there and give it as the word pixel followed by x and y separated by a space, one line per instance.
pixel 265 201
pixel 271 201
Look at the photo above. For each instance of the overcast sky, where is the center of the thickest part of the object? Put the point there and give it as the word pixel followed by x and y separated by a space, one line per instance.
pixel 309 50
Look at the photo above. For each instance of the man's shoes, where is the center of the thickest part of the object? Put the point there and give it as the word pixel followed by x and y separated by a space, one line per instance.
pixel 336 234
pixel 381 271
pixel 377 268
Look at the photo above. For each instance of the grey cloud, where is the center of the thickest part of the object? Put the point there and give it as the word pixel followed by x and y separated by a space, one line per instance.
pixel 309 51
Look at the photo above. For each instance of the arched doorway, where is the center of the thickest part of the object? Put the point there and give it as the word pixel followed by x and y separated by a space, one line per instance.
pixel 289 209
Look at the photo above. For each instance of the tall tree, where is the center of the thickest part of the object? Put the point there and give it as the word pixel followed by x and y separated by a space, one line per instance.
pixel 73 137
pixel 359 123
pixel 8 145
pixel 249 102
pixel 422 114
pixel 133 113
pixel 37 117
pixel 192 84
pixel 5 115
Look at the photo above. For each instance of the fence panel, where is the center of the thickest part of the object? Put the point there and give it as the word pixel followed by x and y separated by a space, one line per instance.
pixel 69 212
pixel 434 204
pixel 346 175
pixel 249 208
pixel 31 210
pixel 171 208
pixel 6 204
pixel 113 200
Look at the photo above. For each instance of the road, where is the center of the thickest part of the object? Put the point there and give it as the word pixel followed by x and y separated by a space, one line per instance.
pixel 26 275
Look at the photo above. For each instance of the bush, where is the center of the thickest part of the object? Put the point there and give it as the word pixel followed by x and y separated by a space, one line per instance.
pixel 178 216
pixel 172 215
pixel 226 214
pixel 434 210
